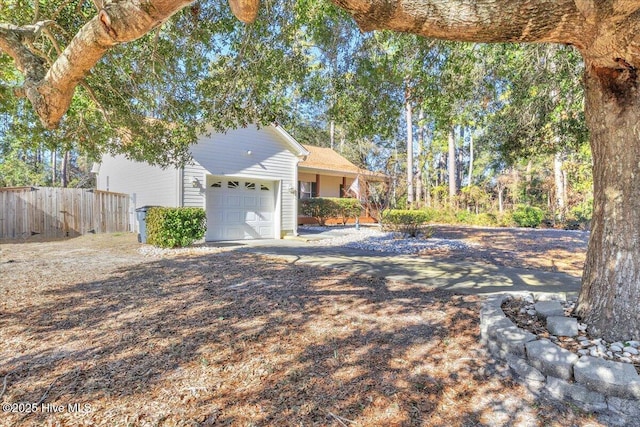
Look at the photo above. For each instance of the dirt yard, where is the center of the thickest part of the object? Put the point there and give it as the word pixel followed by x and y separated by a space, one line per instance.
pixel 93 333
pixel 539 249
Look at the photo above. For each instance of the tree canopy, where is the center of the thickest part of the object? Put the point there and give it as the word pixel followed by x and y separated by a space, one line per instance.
pixel 121 76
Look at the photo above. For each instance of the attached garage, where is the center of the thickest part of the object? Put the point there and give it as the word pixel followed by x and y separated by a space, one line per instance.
pixel 245 178
pixel 241 208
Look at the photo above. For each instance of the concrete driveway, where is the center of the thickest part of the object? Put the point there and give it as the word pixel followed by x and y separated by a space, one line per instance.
pixel 460 277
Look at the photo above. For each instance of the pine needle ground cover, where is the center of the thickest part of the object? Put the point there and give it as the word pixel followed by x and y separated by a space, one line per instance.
pixel 109 337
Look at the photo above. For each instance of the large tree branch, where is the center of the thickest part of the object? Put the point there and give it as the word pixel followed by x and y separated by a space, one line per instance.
pixel 607 32
pixel 476 21
pixel 118 21
pixel 50 91
pixel 14 41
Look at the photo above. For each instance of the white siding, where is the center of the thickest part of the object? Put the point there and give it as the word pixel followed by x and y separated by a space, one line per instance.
pixel 244 153
pixel 145 184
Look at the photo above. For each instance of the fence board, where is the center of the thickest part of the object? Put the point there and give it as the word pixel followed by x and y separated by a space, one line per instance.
pixel 61 212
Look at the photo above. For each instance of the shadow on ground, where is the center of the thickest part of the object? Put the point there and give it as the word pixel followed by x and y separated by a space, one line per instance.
pixel 242 339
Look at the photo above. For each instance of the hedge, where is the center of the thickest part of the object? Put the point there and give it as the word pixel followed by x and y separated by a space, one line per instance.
pixel 528 216
pixel 407 222
pixel 323 208
pixel 175 227
pixel 347 208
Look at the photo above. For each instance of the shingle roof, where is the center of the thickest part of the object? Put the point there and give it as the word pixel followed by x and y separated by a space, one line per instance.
pixel 326 159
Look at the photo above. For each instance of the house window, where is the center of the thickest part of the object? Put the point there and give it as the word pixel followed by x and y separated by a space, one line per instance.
pixel 250 185
pixel 264 187
pixel 217 184
pixel 307 189
pixel 233 184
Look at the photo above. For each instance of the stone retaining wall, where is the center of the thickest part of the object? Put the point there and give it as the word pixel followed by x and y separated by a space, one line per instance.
pixel 590 383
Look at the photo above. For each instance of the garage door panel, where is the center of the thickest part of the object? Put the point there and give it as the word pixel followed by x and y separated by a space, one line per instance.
pixel 266 201
pixel 233 233
pixel 235 217
pixel 250 202
pixel 240 209
pixel 233 201
pixel 266 231
pixel 217 216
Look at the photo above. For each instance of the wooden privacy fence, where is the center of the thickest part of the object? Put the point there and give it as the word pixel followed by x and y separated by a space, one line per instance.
pixel 61 212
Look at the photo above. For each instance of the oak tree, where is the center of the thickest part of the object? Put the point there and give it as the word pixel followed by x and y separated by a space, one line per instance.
pixel 606 34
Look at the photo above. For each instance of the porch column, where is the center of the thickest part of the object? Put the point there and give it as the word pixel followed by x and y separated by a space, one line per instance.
pixel 344 186
pixel 317 185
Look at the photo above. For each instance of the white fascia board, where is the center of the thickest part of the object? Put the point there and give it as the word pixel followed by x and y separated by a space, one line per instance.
pixel 294 145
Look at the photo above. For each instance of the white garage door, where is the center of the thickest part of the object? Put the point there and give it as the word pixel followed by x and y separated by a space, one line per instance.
pixel 240 209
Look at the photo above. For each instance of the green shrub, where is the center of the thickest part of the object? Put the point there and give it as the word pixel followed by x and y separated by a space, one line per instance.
pixel 528 216
pixel 347 208
pixel 465 217
pixel 320 208
pixel 506 220
pixel 441 216
pixel 486 219
pixel 406 222
pixel 175 227
pixel 323 208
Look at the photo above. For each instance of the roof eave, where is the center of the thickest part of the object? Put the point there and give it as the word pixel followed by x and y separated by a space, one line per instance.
pixel 295 146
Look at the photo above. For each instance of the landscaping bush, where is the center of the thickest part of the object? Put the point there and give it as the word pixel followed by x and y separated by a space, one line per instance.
pixel 506 220
pixel 323 208
pixel 441 216
pixel 175 227
pixel 528 216
pixel 579 217
pixel 406 222
pixel 347 208
pixel 320 208
pixel 485 219
pixel 465 217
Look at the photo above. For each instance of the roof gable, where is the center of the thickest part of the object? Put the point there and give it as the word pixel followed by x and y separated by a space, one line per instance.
pixel 296 148
pixel 324 159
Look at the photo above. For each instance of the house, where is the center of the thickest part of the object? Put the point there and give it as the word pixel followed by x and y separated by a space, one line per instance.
pixel 325 173
pixel 246 179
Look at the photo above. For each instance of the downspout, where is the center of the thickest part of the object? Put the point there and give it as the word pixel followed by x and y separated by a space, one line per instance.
pixel 180 196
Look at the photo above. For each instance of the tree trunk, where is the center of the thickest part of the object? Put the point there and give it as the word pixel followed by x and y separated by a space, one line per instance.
pixel 409 120
pixel 65 170
pixel 332 133
pixel 460 161
pixel 559 186
pixel 610 294
pixel 453 189
pixel 420 157
pixel 528 178
pixel 470 160
pixel 54 163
